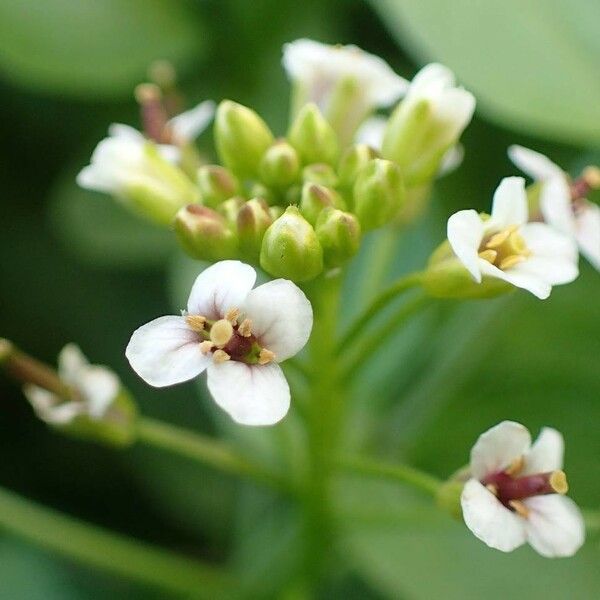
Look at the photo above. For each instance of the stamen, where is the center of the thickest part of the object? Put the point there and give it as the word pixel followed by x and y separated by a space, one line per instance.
pixel 206 347
pixel 558 482
pixel 499 238
pixel 196 322
pixel 245 329
pixel 490 487
pixel 591 175
pixel 232 315
pixel 519 508
pixel 265 356
pixel 221 332
pixel 511 261
pixel 489 255
pixel 515 467
pixel 220 356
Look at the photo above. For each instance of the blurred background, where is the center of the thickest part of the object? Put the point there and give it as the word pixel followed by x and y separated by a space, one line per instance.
pixel 75 267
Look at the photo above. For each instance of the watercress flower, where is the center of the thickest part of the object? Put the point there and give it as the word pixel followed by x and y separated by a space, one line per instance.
pixel 516 492
pixel 235 333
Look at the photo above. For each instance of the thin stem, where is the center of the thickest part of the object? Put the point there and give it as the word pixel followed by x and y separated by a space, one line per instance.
pixel 395 472
pixel 592 520
pixel 378 303
pixel 111 552
pixel 363 350
pixel 205 450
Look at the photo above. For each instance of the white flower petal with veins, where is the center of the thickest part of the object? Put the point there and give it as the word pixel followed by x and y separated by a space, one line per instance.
pixel 188 125
pixel 465 233
pixel 546 454
pixel 533 163
pixel 509 206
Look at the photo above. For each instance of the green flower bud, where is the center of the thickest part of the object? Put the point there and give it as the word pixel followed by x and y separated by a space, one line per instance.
pixel 280 166
pixel 320 173
pixel 204 234
pixel 338 233
pixel 216 185
pixel 313 137
pixel 378 193
pixel 290 248
pixel 230 209
pixel 317 197
pixel 241 137
pixel 446 277
pixel 352 162
pixel 253 220
pixel 260 190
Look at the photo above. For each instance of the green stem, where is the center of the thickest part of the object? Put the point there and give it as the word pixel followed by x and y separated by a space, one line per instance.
pixel 379 303
pixel 205 450
pixel 592 520
pixel 111 552
pixel 361 352
pixel 395 472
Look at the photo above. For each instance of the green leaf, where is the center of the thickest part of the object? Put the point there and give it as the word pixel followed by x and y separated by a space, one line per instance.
pixel 532 65
pixel 89 48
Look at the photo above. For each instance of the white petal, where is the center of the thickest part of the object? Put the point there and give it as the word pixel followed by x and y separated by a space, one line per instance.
pixel 49 407
pixel 555 205
pixel 371 132
pixel 251 394
pixel 489 520
pixel 99 386
pixel 588 233
pixel 430 81
pixel 71 361
pixel 555 525
pixel 498 447
pixel 171 154
pixel 520 276
pixel 221 287
pixel 125 131
pixel 510 203
pixel 190 124
pixel 534 164
pixel 465 232
pixel 455 107
pixel 546 454
pixel 281 317
pixel 451 160
pixel 166 351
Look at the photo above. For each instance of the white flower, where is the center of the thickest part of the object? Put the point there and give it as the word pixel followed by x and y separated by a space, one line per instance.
pixel 94 387
pixel 563 205
pixel 188 125
pixel 516 492
pixel 532 256
pixel 345 82
pixel 237 334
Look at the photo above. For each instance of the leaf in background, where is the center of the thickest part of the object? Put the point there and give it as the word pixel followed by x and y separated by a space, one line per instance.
pixel 91 49
pixel 532 65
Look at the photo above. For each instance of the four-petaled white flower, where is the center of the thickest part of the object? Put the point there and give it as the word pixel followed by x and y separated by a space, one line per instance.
pixel 94 389
pixel 516 492
pixel 563 202
pixel 532 256
pixel 237 334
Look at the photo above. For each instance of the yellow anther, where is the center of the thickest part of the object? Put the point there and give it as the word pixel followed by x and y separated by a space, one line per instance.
pixel 511 261
pixel 591 175
pixel 492 488
pixel 206 347
pixel 519 508
pixel 245 329
pixel 499 238
pixel 147 92
pixel 221 332
pixel 516 466
pixel 232 315
pixel 489 255
pixel 220 356
pixel 196 322
pixel 558 482
pixel 265 356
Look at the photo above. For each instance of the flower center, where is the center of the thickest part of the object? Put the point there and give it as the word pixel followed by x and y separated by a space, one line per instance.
pixel 228 339
pixel 504 249
pixel 511 490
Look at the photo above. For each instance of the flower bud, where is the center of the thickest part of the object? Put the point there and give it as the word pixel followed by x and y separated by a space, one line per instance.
pixel 216 185
pixel 378 193
pixel 280 166
pixel 320 173
pixel 241 137
pixel 313 137
pixel 204 234
pixel 253 220
pixel 259 190
pixel 230 209
pixel 338 233
pixel 290 248
pixel 352 162
pixel 317 197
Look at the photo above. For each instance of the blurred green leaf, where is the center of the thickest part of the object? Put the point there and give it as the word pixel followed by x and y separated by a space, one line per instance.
pixel 532 65
pixel 89 48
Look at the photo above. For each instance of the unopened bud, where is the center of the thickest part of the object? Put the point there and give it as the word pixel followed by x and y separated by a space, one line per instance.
pixel 320 173
pixel 290 248
pixel 230 209
pixel 259 190
pixel 378 193
pixel 313 137
pixel 352 162
pixel 317 197
pixel 253 220
pixel 204 234
pixel 216 185
pixel 338 233
pixel 280 166
pixel 241 137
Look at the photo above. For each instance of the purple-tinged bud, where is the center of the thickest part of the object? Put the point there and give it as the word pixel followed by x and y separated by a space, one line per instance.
pixel 339 234
pixel 253 220
pixel 216 185
pixel 355 159
pixel 317 197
